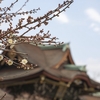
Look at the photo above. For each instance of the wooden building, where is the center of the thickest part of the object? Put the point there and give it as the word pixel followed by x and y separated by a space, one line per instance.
pixel 50 74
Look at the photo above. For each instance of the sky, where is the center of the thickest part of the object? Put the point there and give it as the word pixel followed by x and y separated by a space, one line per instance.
pixel 79 25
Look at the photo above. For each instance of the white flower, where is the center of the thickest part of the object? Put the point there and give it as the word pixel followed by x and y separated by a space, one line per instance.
pixel 24 61
pixel 12 46
pixel 10 41
pixel 1 57
pixel 9 62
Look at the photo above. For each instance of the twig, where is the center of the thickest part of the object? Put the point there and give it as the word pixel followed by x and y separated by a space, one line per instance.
pixel 3 96
pixel 13 51
pixel 22 6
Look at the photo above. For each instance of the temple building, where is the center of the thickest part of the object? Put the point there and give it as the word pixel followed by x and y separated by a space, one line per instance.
pixel 50 74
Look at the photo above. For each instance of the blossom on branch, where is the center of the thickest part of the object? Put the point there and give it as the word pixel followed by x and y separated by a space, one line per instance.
pixel 10 37
pixel 10 41
pixel 24 61
pixel 1 57
pixel 9 62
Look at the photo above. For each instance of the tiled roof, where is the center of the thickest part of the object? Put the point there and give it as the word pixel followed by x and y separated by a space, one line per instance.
pixel 55 63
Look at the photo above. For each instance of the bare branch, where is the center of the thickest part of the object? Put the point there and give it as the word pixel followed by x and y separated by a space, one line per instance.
pixel 3 96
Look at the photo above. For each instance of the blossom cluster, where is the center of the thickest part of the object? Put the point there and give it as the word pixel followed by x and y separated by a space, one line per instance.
pixel 10 36
pixel 22 64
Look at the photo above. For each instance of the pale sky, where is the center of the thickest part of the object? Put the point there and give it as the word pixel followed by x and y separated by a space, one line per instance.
pixel 79 25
